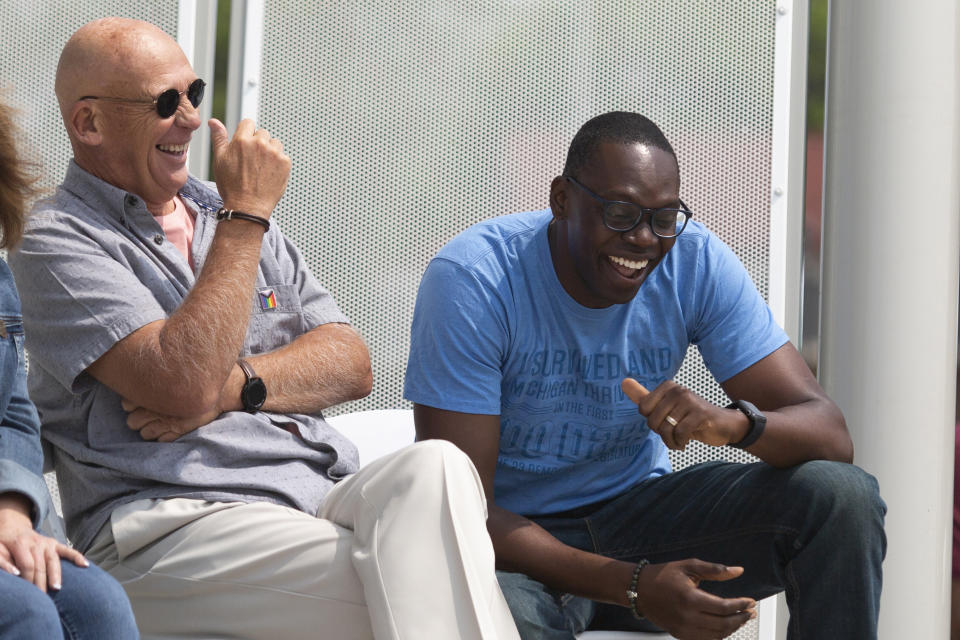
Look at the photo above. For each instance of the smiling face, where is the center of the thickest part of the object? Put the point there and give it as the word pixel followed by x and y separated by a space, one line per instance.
pixel 596 266
pixel 127 143
pixel 145 154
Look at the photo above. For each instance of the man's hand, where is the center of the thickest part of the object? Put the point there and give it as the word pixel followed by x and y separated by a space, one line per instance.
pixel 679 415
pixel 156 426
pixel 669 597
pixel 251 170
pixel 26 553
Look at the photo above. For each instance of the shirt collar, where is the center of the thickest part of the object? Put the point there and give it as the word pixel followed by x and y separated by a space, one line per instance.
pixel 118 204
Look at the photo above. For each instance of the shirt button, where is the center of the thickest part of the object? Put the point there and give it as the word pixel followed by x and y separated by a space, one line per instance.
pixel 131 201
pixel 158 239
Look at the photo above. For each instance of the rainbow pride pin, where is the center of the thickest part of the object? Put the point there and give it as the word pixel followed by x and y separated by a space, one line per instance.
pixel 267 299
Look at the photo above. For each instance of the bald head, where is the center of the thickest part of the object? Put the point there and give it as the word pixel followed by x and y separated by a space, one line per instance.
pixel 110 75
pixel 107 55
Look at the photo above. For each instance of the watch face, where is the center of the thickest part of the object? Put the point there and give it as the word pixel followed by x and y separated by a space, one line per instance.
pixel 254 394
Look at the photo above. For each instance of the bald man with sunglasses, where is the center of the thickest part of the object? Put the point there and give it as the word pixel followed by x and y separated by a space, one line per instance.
pixel 181 356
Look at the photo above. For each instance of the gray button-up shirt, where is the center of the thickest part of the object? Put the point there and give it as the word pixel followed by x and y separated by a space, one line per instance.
pixel 93 267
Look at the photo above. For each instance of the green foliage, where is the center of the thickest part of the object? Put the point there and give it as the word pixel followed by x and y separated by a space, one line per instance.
pixel 817 64
pixel 220 63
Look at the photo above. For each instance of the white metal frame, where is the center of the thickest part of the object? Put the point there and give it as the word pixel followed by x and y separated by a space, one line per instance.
pixel 246 49
pixel 196 35
pixel 788 159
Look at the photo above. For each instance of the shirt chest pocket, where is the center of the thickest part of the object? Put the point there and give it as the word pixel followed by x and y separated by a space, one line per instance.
pixel 12 358
pixel 11 343
pixel 276 319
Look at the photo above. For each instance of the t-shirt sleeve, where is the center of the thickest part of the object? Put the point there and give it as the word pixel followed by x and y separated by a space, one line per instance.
pixel 78 301
pixel 457 342
pixel 734 327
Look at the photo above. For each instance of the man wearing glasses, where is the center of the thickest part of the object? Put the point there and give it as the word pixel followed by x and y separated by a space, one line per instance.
pixel 181 355
pixel 535 339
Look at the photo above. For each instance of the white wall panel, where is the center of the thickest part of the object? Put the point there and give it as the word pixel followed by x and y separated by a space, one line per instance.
pixel 33 33
pixel 409 121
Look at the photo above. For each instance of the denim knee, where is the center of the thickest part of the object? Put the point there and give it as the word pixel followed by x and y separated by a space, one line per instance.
pixel 92 604
pixel 842 493
pixel 539 612
pixel 34 614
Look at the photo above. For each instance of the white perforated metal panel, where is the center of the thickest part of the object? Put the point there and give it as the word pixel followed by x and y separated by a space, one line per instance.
pixel 409 121
pixel 33 34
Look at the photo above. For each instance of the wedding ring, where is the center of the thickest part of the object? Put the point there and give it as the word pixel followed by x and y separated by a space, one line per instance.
pixel 671 421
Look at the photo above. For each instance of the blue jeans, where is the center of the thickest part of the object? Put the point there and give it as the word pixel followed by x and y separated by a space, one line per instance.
pixel 814 531
pixel 90 606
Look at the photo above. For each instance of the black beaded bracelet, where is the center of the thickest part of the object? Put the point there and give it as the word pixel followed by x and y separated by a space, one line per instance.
pixel 230 214
pixel 632 594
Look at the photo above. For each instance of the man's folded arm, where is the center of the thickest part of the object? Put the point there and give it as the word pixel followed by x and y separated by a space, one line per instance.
pixel 189 356
pixel 325 366
pixel 803 423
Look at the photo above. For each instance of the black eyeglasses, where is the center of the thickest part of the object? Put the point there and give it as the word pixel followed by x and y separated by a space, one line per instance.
pixel 625 216
pixel 168 101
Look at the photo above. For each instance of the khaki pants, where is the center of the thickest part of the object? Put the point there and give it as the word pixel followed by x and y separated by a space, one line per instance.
pixel 398 550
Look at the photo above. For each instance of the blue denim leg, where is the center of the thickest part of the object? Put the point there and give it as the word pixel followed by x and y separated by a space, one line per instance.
pixel 93 606
pixel 814 530
pixel 541 613
pixel 26 612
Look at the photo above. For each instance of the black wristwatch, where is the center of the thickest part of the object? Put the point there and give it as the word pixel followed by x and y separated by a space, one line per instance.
pixel 758 422
pixel 254 392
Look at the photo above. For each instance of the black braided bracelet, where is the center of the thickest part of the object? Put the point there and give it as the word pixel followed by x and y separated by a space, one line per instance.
pixel 230 214
pixel 632 591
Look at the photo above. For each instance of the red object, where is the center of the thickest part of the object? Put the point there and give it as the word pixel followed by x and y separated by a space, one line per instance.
pixel 956 504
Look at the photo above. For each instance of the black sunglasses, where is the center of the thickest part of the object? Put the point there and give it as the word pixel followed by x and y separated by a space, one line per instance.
pixel 168 101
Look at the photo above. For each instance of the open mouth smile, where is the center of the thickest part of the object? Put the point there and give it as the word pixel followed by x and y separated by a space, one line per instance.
pixel 174 149
pixel 627 268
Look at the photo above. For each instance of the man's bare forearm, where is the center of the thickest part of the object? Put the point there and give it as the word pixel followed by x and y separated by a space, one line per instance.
pixel 814 430
pixel 327 365
pixel 199 343
pixel 323 367
pixel 189 356
pixel 525 547
pixel 668 593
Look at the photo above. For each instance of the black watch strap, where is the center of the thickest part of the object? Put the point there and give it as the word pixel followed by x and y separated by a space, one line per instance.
pixel 758 422
pixel 254 391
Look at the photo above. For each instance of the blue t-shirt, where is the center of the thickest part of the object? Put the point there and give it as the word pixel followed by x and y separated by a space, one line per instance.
pixel 494 332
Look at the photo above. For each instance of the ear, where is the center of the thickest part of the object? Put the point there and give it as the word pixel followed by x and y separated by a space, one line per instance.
pixel 85 124
pixel 558 197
